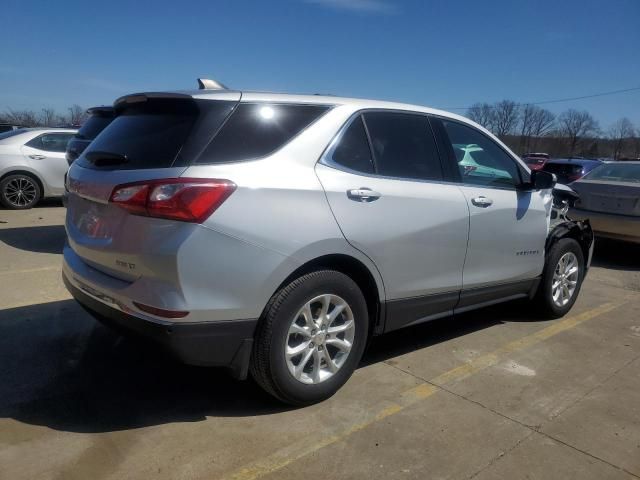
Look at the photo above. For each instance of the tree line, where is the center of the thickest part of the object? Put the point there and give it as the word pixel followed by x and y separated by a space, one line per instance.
pixel 523 127
pixel 46 117
pixel 530 128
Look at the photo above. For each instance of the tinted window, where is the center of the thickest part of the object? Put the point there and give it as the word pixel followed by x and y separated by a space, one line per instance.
pixel 480 160
pixel 403 146
pixel 153 134
pixel 616 172
pixel 352 150
pixel 257 130
pixel 93 126
pixel 562 168
pixel 51 142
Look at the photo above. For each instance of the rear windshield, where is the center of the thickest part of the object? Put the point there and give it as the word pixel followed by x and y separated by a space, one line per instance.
pixel 562 168
pixel 93 126
pixel 153 133
pixel 256 130
pixel 616 173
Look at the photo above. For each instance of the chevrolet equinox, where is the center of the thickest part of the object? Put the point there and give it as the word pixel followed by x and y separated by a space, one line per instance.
pixel 275 234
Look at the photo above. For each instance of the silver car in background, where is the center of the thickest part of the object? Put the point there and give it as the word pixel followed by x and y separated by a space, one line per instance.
pixel 32 165
pixel 610 199
pixel 275 234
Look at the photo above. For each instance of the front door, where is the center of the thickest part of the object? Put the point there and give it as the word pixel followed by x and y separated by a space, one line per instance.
pixel 508 225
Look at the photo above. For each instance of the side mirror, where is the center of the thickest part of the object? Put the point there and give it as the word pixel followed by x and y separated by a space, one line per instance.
pixel 541 180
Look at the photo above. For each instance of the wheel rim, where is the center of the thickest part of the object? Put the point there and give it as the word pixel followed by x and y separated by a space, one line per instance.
pixel 20 192
pixel 565 279
pixel 319 339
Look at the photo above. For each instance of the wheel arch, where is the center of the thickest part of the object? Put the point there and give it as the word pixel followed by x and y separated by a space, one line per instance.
pixel 580 231
pixel 28 173
pixel 358 272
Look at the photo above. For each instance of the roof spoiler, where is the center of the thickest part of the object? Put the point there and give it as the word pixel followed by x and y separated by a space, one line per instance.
pixel 208 84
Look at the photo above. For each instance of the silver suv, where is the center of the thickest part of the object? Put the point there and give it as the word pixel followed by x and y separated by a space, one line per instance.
pixel 277 233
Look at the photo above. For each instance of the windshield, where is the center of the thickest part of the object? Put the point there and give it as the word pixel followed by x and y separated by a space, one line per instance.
pixel 616 172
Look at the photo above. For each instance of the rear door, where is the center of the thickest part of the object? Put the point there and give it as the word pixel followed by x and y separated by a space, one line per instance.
pixel 46 154
pixel 384 182
pixel 508 225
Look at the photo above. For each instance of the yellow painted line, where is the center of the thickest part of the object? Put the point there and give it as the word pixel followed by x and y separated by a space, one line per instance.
pixel 31 270
pixel 292 453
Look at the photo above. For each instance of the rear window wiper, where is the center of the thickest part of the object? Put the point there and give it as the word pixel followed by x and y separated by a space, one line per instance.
pixel 103 159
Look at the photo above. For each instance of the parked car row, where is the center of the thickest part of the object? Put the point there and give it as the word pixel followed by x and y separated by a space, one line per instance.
pixel 34 161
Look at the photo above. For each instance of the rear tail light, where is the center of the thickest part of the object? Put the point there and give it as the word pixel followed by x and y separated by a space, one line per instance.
pixel 576 175
pixel 183 199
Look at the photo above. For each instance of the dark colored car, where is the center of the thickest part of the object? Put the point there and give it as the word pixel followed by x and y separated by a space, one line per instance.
pixel 535 161
pixel 7 127
pixel 569 170
pixel 99 118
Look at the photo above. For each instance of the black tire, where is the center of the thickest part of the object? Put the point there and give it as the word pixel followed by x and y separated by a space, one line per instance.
pixel 544 296
pixel 8 196
pixel 268 363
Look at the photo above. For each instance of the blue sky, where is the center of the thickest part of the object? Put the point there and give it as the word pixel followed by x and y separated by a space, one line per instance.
pixel 438 53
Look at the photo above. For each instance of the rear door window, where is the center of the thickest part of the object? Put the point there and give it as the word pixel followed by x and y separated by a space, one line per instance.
pixel 403 146
pixel 153 133
pixel 256 130
pixel 50 142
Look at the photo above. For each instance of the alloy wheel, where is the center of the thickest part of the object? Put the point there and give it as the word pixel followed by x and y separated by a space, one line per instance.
pixel 565 279
pixel 20 191
pixel 319 339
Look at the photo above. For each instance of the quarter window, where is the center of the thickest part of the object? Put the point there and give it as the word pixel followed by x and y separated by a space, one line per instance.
pixel 257 130
pixel 51 142
pixel 403 146
pixel 480 160
pixel 352 150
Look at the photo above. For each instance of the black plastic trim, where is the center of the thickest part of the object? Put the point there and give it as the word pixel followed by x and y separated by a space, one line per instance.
pixel 484 296
pixel 224 343
pixel 411 311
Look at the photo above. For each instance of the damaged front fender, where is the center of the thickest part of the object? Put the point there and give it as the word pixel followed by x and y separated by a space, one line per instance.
pixel 561 226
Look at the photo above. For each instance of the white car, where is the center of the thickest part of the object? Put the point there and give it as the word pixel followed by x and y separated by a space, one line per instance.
pixel 32 165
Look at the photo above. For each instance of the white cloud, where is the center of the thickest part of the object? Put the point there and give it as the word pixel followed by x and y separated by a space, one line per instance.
pixel 363 6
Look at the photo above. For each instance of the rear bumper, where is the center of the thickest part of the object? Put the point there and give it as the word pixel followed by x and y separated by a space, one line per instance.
pixel 220 343
pixel 619 227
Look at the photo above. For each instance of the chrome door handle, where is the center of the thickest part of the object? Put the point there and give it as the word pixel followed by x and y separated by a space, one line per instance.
pixel 482 201
pixel 37 157
pixel 363 194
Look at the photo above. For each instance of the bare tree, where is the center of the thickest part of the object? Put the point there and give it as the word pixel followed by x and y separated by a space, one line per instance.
pixel 542 122
pixel 48 117
pixel 482 113
pixel 27 118
pixel 619 133
pixel 506 117
pixel 76 115
pixel 576 125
